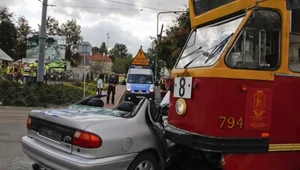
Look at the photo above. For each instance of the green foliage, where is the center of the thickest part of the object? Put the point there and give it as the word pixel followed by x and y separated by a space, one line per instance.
pixel 72 30
pixel 119 51
pixel 95 49
pixel 15 94
pixel 52 26
pixel 8 31
pixel 121 65
pixel 23 30
pixel 103 48
pixel 151 56
pixel 170 46
pixel 91 88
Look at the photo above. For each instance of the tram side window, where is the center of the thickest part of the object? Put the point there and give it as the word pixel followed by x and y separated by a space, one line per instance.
pixel 294 51
pixel 258 46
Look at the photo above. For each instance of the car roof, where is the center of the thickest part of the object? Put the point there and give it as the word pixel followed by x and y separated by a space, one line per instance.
pixel 139 71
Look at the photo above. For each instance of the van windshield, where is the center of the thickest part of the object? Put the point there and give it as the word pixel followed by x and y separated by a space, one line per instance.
pixel 140 79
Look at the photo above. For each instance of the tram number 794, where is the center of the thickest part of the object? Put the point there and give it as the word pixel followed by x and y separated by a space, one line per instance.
pixel 231 122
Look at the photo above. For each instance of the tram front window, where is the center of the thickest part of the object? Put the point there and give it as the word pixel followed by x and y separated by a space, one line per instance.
pixel 206 44
pixel 258 45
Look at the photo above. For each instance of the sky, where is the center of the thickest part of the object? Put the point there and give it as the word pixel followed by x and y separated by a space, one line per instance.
pixel 125 24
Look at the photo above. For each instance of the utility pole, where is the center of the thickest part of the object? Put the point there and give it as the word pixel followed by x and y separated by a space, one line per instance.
pixel 42 42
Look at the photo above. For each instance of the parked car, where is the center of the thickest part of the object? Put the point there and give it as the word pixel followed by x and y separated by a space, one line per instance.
pixel 87 136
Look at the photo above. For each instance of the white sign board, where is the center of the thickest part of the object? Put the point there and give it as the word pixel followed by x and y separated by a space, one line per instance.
pixel 85 47
pixel 183 87
pixel 55 47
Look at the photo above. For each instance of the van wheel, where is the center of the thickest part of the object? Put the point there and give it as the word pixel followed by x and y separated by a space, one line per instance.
pixel 144 161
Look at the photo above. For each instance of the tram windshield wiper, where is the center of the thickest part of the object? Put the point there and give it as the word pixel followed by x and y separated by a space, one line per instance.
pixel 189 63
pixel 218 48
pixel 191 53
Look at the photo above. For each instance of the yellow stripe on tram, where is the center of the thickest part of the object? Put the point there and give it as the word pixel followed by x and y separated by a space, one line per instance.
pixel 284 147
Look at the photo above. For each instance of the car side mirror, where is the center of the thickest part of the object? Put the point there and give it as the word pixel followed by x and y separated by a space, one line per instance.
pixel 292 4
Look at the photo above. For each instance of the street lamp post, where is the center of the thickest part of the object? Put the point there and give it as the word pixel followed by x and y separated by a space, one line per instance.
pixel 165 12
pixel 107 41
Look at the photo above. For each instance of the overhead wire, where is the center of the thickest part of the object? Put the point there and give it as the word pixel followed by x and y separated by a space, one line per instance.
pixel 101 8
pixel 112 1
pixel 147 4
pixel 140 6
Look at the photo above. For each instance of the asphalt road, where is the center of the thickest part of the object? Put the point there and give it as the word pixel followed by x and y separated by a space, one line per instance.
pixel 12 129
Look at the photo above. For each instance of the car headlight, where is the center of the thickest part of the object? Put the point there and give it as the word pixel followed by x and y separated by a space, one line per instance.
pixel 151 89
pixel 128 87
pixel 181 107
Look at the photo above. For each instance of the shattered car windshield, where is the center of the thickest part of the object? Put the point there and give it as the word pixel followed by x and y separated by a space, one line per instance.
pixel 83 109
pixel 200 50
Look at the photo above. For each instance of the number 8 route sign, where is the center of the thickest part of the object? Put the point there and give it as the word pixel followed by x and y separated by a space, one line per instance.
pixel 183 87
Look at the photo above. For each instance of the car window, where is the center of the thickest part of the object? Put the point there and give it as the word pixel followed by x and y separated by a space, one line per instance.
pixel 140 78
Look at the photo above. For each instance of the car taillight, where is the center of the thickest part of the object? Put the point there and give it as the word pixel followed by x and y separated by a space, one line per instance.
pixel 28 124
pixel 86 139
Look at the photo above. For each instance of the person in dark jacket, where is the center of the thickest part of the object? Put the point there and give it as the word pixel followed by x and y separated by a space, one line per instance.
pixel 112 83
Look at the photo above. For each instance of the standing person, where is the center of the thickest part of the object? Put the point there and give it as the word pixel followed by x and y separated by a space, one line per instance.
pixel 1 70
pixel 112 83
pixel 100 84
pixel 9 71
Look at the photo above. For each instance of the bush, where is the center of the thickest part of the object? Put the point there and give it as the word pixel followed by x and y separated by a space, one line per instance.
pixel 91 86
pixel 15 94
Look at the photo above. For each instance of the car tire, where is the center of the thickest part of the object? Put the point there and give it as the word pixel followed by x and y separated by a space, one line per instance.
pixel 144 161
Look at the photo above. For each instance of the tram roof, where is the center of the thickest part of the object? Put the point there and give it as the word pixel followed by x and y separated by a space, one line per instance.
pixel 204 11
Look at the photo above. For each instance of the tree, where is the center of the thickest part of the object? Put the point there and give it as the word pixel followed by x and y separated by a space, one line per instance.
pixel 151 56
pixel 72 31
pixel 103 48
pixel 121 65
pixel 119 51
pixel 95 50
pixel 98 66
pixel 23 29
pixel 52 26
pixel 171 45
pixel 8 32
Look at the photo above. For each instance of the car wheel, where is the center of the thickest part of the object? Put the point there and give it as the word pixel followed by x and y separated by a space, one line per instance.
pixel 144 161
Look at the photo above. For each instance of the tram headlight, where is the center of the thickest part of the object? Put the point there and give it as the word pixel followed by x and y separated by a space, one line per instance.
pixel 181 107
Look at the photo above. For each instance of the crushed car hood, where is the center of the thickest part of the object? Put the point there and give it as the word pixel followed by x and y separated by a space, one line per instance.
pixel 79 117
